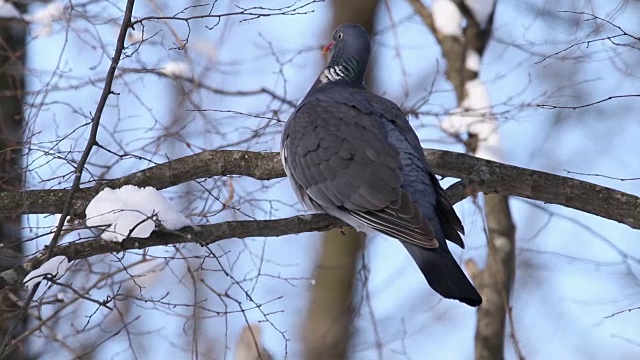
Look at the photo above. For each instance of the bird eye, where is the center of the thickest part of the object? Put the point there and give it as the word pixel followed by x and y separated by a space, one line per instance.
pixel 340 36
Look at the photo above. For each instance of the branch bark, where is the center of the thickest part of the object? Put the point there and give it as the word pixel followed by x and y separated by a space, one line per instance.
pixel 492 177
pixel 478 175
pixel 203 235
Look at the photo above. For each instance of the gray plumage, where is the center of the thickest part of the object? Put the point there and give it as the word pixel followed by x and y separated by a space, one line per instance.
pixel 353 154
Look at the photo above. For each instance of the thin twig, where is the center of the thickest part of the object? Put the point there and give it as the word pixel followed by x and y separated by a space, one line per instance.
pixel 68 204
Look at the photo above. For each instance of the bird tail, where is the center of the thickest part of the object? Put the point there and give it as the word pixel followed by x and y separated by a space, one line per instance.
pixel 444 275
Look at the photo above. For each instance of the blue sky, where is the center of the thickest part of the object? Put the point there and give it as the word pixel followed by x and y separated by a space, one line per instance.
pixel 569 275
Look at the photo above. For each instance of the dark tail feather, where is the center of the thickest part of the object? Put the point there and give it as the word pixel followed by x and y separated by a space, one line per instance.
pixel 444 275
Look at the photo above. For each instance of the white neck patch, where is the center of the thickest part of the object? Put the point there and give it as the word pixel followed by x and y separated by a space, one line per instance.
pixel 332 74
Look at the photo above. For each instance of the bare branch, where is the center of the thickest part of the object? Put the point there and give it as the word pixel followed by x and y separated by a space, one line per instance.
pixel 602 176
pixel 622 33
pixel 203 235
pixel 250 13
pixel 260 166
pixel 575 107
pixel 95 122
pixel 492 177
pixel 479 175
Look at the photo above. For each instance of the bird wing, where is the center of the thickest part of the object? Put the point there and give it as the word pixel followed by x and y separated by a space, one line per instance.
pixel 341 158
pixel 420 181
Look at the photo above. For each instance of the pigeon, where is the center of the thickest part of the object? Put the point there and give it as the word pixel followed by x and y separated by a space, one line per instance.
pixel 353 154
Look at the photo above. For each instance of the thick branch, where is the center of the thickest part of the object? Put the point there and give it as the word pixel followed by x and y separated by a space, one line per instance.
pixel 260 166
pixel 453 49
pixel 478 174
pixel 204 235
pixel 491 177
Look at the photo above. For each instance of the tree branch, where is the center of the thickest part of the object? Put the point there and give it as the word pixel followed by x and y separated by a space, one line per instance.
pixel 453 49
pixel 478 175
pixel 491 177
pixel 67 208
pixel 260 166
pixel 203 235
pixel 68 203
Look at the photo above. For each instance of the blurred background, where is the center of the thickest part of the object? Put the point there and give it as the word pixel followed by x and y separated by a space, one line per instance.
pixel 226 75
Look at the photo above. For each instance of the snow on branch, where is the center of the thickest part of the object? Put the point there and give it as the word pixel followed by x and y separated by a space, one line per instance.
pixel 447 17
pixel 176 69
pixel 474 116
pixel 54 267
pixel 131 211
pixel 45 17
pixel 472 60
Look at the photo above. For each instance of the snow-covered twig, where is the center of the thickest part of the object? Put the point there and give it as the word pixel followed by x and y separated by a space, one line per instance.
pixel 131 211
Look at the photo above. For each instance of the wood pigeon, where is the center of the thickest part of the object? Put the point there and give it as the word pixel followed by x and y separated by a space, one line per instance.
pixel 352 154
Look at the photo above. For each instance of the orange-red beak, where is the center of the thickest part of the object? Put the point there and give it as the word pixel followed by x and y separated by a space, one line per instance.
pixel 328 48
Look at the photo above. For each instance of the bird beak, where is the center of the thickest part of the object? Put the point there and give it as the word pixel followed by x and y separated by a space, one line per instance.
pixel 328 48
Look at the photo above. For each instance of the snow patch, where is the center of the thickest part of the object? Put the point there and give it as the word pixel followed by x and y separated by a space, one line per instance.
pixel 176 69
pixel 8 11
pixel 132 211
pixel 447 17
pixel 472 61
pixel 63 297
pixel 56 267
pixel 477 96
pixel 481 10
pixel 474 116
pixel 46 17
pixel 134 36
pixel 207 49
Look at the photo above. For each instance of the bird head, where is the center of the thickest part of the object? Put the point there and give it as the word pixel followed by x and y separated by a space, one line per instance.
pixel 350 49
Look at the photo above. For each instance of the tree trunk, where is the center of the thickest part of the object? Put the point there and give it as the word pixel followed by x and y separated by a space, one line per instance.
pixel 494 282
pixel 12 57
pixel 328 322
